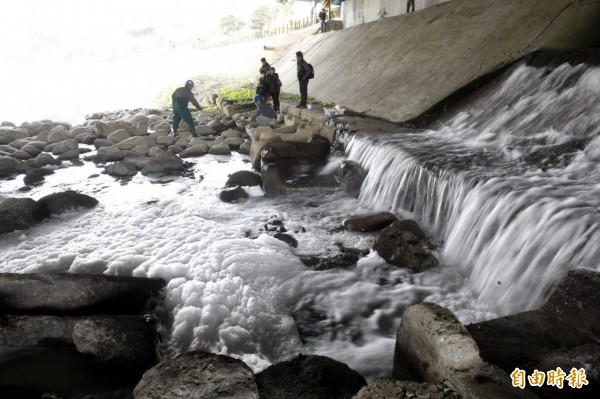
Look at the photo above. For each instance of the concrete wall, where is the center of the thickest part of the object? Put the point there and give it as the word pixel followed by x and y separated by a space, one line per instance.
pixel 398 68
pixel 355 12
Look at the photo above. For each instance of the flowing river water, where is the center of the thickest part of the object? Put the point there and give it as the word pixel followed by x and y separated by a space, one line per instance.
pixel 507 230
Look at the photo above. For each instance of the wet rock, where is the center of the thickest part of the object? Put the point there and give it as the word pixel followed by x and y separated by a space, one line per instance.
pixel 288 239
pixel 44 159
pixel 309 377
pixel 402 244
pixel 36 330
pixel 233 195
pixel 194 151
pixel 35 176
pixel 9 166
pixel 352 177
pixel 384 388
pixel 121 169
pixel 272 183
pixel 220 149
pixel 432 345
pixel 341 257
pixel 69 155
pixel 560 154
pixel 57 203
pixel 163 163
pixel 123 342
pixel 575 300
pixel 243 178
pixel 64 294
pixel 198 375
pixel 563 333
pixel 369 222
pixel 64 146
pixel 20 214
pixel 317 148
pixel 110 154
pixel 245 148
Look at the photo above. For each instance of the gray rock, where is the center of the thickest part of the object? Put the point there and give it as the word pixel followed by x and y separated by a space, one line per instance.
pixel 217 126
pixel 77 131
pixel 110 154
pixel 19 214
pixel 431 344
pixel 35 176
pixel 7 136
pixel 243 178
pixel 57 134
pixel 7 149
pixel 231 133
pixel 35 330
pixel 369 222
pixel 164 163
pixel 198 375
pixel 118 135
pixel 234 142
pixel 99 143
pixel 233 195
pixel 309 377
pixel 75 294
pixel 31 150
pixel 44 159
pixel 203 130
pixel 57 203
pixel 69 155
pixel 118 342
pixel 219 149
pixel 121 169
pixel 245 148
pixel 402 244
pixel 194 151
pixel 288 239
pixel 64 146
pixel 21 155
pixel 352 178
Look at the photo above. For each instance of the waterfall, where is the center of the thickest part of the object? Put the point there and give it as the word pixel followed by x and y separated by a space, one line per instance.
pixel 512 221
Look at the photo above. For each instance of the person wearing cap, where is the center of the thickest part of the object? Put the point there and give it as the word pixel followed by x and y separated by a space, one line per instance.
pixel 303 71
pixel 264 116
pixel 181 97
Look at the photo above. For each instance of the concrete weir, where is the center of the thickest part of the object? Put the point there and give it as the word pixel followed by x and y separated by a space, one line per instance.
pixel 399 68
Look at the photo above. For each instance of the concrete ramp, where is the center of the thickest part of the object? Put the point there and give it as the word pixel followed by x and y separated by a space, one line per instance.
pixel 398 68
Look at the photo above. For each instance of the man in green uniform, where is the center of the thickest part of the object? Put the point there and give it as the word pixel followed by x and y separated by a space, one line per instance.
pixel 181 97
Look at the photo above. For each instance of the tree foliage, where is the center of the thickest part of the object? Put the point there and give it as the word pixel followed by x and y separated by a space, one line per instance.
pixel 260 18
pixel 230 25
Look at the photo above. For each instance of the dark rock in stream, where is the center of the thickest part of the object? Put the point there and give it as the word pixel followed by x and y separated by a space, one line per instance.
pixel 243 178
pixel 36 176
pixel 20 214
pixel 403 244
pixel 233 195
pixel 309 377
pixel 58 203
pixel 369 222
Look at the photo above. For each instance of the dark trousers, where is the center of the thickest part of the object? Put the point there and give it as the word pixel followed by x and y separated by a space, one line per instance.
pixel 303 91
pixel 275 95
pixel 185 114
pixel 410 4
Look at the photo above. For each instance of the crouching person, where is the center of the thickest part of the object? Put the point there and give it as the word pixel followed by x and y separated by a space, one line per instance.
pixel 264 116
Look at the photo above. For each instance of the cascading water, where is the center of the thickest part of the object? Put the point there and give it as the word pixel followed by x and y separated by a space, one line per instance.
pixel 234 289
pixel 511 227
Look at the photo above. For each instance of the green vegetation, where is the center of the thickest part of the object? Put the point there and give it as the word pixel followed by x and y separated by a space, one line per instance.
pixel 260 18
pixel 240 94
pixel 230 25
pixel 295 98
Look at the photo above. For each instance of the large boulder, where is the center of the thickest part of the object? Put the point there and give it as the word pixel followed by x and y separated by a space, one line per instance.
pixel 20 214
pixel 352 177
pixel 219 149
pixel 110 154
pixel 198 375
pixel 43 159
pixel 75 294
pixel 64 146
pixel 58 134
pixel 194 151
pixel 35 176
pixel 369 222
pixel 58 203
pixel 309 377
pixel 403 244
pixel 563 333
pixel 163 163
pixel 432 345
pixel 118 135
pixel 9 166
pixel 35 330
pixel 118 342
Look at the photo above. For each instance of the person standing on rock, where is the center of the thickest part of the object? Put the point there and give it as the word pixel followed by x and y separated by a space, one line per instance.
pixel 264 116
pixel 304 72
pixel 181 97
pixel 275 86
pixel 265 67
pixel 410 5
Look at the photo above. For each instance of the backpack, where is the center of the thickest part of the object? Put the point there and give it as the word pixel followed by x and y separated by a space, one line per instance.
pixel 312 71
